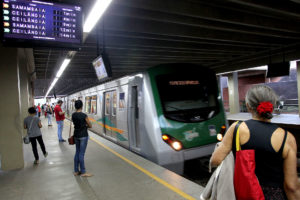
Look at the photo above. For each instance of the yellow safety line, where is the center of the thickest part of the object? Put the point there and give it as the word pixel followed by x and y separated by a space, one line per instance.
pixel 171 187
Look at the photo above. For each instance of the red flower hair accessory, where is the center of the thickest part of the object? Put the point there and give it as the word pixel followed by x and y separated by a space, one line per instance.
pixel 264 107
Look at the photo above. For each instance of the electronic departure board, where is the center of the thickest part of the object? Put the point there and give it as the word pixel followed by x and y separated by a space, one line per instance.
pixel 33 23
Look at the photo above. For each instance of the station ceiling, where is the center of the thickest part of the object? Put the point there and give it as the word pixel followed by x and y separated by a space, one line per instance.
pixel 138 34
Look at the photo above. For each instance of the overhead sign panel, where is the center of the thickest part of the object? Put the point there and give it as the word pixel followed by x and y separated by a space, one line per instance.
pixel 39 23
pixel 102 67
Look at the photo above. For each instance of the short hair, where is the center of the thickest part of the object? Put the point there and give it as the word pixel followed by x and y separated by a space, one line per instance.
pixel 59 101
pixel 78 104
pixel 31 110
pixel 261 93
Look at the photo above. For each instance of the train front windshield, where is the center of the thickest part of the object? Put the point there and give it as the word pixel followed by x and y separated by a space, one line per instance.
pixel 188 98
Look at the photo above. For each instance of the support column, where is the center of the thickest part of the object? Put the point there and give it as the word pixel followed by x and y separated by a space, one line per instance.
pixel 298 84
pixel 234 104
pixel 11 146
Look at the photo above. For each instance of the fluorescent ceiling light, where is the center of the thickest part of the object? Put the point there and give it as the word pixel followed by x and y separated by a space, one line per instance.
pixel 63 67
pixel 51 86
pixel 54 82
pixel 59 73
pixel 95 14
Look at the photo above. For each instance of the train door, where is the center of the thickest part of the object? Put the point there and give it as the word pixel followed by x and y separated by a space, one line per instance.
pixel 113 118
pixel 110 111
pixel 134 119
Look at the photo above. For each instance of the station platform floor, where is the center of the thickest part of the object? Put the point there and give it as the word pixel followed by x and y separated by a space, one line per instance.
pixel 118 174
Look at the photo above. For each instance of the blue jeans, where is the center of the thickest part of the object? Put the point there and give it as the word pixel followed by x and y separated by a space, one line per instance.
pixel 81 144
pixel 60 127
pixel 49 119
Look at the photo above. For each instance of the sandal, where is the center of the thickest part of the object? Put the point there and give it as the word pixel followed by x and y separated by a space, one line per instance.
pixel 86 175
pixel 76 173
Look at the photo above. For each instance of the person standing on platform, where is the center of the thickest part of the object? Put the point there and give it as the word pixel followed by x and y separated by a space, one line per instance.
pixel 275 148
pixel 36 111
pixel 81 137
pixel 39 108
pixel 60 117
pixel 49 112
pixel 45 110
pixel 33 125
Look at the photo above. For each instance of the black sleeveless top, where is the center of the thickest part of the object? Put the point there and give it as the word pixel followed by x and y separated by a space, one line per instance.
pixel 80 126
pixel 269 163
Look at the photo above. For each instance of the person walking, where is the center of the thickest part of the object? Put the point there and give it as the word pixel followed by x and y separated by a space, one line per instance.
pixel 81 123
pixel 275 148
pixel 45 110
pixel 39 109
pixel 33 125
pixel 60 117
pixel 49 114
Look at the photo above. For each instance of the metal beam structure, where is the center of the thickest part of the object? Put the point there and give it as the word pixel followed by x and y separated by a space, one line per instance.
pixel 138 34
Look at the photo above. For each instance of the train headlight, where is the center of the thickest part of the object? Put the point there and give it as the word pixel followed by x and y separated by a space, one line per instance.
pixel 221 134
pixel 175 144
pixel 219 137
pixel 165 137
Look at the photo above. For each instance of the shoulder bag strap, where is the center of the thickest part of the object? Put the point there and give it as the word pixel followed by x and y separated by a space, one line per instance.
pixel 70 129
pixel 235 138
pixel 31 124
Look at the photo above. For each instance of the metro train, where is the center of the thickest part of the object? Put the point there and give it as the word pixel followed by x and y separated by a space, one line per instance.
pixel 168 114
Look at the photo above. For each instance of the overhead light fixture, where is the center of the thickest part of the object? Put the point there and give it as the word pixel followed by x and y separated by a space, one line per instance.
pixel 51 86
pixel 97 11
pixel 59 73
pixel 63 67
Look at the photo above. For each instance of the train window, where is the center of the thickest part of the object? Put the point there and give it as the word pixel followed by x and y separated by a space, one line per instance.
pixel 188 97
pixel 107 103
pixel 88 104
pixel 94 104
pixel 114 103
pixel 121 100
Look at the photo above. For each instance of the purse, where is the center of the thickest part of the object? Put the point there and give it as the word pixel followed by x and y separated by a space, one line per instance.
pixel 26 139
pixel 246 184
pixel 71 138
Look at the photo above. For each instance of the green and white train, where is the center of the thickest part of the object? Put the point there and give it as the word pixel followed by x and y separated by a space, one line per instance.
pixel 169 114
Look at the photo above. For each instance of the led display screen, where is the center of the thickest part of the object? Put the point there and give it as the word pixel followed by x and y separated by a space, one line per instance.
pixel 102 67
pixel 40 23
pixel 278 69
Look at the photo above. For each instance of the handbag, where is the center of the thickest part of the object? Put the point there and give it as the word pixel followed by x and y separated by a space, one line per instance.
pixel 26 139
pixel 71 138
pixel 246 184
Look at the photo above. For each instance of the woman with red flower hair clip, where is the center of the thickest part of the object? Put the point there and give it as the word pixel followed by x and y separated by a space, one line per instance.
pixel 275 148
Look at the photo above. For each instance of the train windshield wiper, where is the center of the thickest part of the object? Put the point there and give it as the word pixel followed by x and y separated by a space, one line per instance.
pixel 178 109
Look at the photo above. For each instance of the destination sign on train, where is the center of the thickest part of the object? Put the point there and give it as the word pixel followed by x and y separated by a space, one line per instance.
pixel 187 82
pixel 42 21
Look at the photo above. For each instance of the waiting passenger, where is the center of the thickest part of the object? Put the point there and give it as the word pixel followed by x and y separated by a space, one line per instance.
pixel 33 125
pixel 39 108
pixel 49 112
pixel 275 151
pixel 81 123
pixel 60 117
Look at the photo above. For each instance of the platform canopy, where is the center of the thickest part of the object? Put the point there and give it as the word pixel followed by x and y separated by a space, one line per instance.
pixel 138 34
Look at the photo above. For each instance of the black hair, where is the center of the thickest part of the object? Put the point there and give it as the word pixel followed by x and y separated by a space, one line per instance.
pixel 31 110
pixel 78 104
pixel 59 101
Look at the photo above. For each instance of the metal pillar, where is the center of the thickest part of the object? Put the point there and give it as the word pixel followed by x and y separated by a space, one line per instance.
pixel 298 84
pixel 233 91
